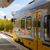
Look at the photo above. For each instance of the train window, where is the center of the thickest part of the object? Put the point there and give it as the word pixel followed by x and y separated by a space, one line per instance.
pixel 34 28
pixel 22 23
pixel 46 28
pixel 49 28
pixel 39 28
pixel 45 23
pixel 46 40
pixel 34 22
pixel 39 22
pixel 28 23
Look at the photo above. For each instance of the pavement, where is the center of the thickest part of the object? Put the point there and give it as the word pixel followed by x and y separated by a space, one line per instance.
pixel 7 33
pixel 7 43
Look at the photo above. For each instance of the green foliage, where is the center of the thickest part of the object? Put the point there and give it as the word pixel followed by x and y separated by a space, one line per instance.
pixel 7 24
pixel 1 24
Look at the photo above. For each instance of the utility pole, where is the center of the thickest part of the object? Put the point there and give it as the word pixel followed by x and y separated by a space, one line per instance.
pixel 4 23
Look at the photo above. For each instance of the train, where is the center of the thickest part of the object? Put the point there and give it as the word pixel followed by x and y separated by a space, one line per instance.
pixel 31 25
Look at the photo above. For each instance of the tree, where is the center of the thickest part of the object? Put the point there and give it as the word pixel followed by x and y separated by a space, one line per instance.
pixel 1 24
pixel 8 24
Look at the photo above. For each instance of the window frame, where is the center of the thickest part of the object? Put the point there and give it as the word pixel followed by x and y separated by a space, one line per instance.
pixel 30 23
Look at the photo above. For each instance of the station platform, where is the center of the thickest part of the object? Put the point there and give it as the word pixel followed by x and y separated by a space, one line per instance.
pixel 7 43
pixel 21 36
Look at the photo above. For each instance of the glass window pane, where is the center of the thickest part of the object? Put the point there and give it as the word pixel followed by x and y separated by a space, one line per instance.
pixel 45 22
pixel 49 28
pixel 23 23
pixel 34 22
pixel 28 23
pixel 39 22
pixel 34 28
pixel 18 23
pixel 39 28
pixel 45 28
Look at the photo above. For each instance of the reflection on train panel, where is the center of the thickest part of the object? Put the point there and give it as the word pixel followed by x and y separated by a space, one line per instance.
pixel 32 25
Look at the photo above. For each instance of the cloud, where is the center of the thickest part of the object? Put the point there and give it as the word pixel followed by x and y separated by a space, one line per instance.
pixel 2 14
pixel 8 15
pixel 16 6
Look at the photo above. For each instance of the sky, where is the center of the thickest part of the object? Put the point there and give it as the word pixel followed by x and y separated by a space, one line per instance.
pixel 14 6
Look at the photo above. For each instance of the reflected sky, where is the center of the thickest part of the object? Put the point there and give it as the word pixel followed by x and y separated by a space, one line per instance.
pixel 31 6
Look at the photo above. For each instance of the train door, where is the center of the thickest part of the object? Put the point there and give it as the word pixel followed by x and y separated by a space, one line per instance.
pixel 41 31
pixel 37 30
pixel 34 31
pixel 43 44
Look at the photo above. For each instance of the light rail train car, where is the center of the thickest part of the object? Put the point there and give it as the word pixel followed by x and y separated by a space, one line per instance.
pixel 32 25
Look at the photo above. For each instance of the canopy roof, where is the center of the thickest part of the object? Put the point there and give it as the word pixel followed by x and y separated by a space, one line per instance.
pixel 5 3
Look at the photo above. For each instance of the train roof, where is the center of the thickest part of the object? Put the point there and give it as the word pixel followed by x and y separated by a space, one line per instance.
pixel 31 6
